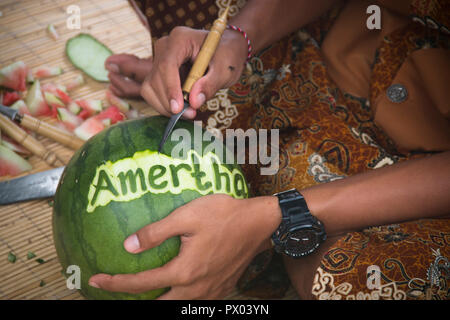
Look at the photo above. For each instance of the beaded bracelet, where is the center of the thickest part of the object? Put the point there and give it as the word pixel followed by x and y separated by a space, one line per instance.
pixel 249 45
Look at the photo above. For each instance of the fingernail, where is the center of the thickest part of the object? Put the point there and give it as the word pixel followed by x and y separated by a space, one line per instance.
pixel 201 98
pixel 113 67
pixel 93 284
pixel 132 244
pixel 189 113
pixel 174 107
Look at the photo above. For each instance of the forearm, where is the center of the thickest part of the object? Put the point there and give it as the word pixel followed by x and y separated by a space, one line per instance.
pixel 267 21
pixel 406 191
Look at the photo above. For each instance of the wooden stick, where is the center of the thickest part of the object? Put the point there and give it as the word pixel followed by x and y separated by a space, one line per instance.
pixel 29 142
pixel 207 51
pixel 51 132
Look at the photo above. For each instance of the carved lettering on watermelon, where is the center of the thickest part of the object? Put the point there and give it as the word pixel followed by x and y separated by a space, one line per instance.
pixel 148 171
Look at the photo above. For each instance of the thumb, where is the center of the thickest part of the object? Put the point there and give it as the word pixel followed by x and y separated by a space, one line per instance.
pixel 153 234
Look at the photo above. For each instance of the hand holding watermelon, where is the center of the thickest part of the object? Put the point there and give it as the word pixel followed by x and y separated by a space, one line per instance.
pixel 219 235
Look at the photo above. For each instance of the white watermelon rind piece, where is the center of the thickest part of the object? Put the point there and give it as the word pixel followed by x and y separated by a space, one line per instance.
pixel 36 102
pixel 78 81
pixel 11 163
pixel 14 76
pixel 123 105
pixel 69 120
pixel 89 128
pixel 46 72
pixel 21 106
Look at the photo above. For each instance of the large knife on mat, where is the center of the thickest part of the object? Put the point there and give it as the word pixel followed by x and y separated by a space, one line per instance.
pixel 31 187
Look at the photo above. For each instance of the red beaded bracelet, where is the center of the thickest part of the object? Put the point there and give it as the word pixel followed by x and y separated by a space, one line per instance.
pixel 249 45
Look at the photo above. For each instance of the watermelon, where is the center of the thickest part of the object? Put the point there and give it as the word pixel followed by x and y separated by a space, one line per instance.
pixel 21 106
pixel 54 102
pixel 11 163
pixel 14 146
pixel 78 81
pixel 74 107
pixel 29 78
pixel 52 32
pixel 36 102
pixel 112 99
pixel 10 97
pixel 113 113
pixel 59 91
pixel 14 76
pixel 89 128
pixel 118 183
pixel 46 72
pixel 90 107
pixel 69 120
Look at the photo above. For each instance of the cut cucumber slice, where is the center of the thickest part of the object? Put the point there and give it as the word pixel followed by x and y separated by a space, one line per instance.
pixel 89 55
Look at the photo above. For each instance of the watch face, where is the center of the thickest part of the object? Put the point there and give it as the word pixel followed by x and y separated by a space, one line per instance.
pixel 302 242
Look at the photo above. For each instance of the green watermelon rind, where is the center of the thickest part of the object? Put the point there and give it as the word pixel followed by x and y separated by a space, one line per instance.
pixel 137 135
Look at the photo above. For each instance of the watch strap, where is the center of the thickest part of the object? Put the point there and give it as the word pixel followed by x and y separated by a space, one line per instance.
pixel 295 214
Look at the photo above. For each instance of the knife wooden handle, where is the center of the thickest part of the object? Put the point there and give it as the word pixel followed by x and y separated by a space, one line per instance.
pixel 207 51
pixel 51 132
pixel 29 142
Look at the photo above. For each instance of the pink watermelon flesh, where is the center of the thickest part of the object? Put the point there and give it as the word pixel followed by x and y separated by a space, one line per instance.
pixel 90 107
pixel 89 128
pixel 58 91
pixel 36 102
pixel 14 146
pixel 69 120
pixel 45 72
pixel 11 163
pixel 113 113
pixel 54 102
pixel 14 76
pixel 10 97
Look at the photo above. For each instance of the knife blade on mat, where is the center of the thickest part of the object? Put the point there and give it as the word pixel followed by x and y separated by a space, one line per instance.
pixel 34 186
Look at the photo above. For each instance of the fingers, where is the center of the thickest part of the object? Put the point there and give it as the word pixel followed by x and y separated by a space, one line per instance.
pixel 129 66
pixel 155 233
pixel 126 73
pixel 162 87
pixel 124 86
pixel 137 283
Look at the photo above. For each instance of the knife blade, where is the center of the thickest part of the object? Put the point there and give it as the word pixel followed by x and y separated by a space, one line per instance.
pixel 171 124
pixel 31 187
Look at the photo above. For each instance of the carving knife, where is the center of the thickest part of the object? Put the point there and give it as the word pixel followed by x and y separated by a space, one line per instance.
pixel 43 128
pixel 198 69
pixel 31 187
pixel 22 137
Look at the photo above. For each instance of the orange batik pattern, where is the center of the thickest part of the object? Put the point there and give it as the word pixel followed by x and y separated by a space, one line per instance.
pixel 327 134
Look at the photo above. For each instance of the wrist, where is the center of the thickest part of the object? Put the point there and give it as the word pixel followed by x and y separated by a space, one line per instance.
pixel 235 40
pixel 268 215
pixel 322 205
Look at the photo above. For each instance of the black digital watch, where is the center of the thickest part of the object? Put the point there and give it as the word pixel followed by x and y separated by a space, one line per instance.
pixel 299 233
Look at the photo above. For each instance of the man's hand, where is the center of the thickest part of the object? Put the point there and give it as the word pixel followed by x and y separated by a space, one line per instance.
pixel 220 236
pixel 126 74
pixel 162 87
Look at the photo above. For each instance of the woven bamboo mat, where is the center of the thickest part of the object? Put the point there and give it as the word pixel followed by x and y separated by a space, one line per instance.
pixel 26 227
